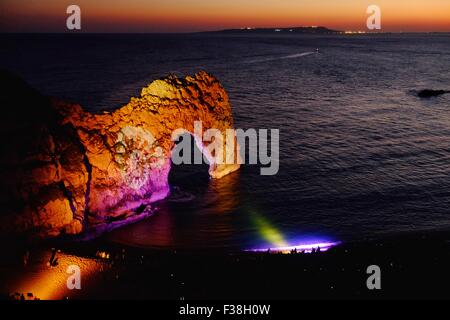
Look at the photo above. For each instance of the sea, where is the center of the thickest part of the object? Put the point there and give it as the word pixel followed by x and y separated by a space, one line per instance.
pixel 361 156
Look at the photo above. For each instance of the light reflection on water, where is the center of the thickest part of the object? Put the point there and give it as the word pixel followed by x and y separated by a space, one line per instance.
pixel 206 213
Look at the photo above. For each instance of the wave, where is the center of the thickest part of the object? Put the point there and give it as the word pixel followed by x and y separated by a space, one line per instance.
pixel 291 56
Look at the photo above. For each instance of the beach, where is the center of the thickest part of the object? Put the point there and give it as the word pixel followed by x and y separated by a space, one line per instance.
pixel 411 267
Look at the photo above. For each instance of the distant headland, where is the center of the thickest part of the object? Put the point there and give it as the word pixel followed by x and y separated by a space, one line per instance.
pixel 309 30
pixel 303 30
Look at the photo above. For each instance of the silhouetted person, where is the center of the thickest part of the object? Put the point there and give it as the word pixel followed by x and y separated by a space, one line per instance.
pixel 26 257
pixel 53 260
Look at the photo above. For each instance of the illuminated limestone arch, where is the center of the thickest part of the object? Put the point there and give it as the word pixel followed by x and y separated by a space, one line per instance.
pixel 128 151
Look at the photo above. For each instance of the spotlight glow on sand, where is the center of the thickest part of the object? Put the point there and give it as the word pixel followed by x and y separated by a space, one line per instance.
pixel 50 283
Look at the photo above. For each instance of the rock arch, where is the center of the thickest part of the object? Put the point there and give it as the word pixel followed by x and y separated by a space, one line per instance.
pixel 107 167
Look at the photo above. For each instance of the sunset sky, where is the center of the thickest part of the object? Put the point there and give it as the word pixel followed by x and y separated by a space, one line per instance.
pixel 199 15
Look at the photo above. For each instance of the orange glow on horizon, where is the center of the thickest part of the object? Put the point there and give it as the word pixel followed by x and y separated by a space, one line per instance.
pixel 200 15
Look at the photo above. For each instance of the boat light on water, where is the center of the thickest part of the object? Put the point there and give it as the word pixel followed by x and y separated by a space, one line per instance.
pixel 305 248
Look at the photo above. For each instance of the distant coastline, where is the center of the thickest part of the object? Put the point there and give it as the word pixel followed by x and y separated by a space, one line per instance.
pixel 317 30
pixel 303 30
pixel 309 30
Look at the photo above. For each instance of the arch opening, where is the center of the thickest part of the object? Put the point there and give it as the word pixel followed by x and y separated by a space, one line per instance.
pixel 189 162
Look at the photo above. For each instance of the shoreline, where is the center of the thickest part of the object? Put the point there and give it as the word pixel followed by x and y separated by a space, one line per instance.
pixel 411 267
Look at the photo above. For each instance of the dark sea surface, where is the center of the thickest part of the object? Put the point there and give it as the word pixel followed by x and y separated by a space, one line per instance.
pixel 361 156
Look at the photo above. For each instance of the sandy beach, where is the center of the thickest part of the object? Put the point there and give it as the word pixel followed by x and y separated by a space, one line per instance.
pixel 410 265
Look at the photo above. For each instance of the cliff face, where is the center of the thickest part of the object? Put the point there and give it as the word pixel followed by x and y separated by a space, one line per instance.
pixel 64 170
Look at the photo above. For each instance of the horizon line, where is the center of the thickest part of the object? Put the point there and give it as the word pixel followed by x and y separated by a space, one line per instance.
pixel 247 29
pixel 332 31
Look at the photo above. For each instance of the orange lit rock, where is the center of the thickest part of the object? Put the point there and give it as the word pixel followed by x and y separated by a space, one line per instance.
pixel 69 170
